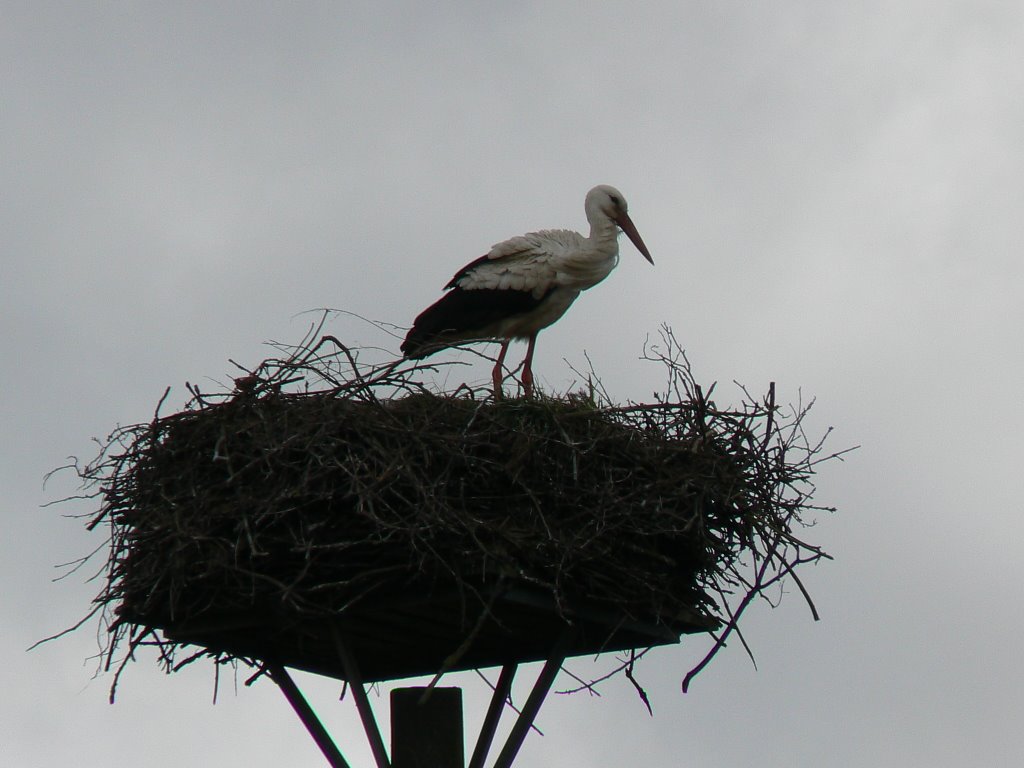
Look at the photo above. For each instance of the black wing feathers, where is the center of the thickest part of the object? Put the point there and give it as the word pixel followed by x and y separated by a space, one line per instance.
pixel 463 314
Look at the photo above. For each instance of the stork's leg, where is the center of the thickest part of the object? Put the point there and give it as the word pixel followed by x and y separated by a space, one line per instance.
pixel 528 367
pixel 497 375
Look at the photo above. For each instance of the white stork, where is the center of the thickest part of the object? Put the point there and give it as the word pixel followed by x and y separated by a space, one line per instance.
pixel 524 285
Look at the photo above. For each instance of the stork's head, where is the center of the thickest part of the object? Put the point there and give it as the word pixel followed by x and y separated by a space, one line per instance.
pixel 604 201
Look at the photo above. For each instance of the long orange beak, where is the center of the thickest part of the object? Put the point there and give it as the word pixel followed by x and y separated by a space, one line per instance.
pixel 630 229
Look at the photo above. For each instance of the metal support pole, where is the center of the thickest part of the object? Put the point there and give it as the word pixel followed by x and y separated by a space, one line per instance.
pixel 355 682
pixel 540 690
pixel 316 729
pixel 494 710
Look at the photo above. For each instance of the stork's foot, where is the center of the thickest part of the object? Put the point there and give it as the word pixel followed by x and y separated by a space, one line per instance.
pixel 527 380
pixel 496 380
pixel 498 372
pixel 528 367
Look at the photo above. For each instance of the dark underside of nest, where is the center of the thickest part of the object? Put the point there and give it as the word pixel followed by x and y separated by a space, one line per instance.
pixel 439 532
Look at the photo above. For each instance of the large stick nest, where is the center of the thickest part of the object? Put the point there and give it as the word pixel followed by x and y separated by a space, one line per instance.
pixel 322 488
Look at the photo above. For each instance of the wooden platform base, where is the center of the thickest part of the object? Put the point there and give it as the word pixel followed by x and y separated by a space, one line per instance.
pixel 417 635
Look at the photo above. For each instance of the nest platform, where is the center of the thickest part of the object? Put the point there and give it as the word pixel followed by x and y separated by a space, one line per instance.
pixel 321 507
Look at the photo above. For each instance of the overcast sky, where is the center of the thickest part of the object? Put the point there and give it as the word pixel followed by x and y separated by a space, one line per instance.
pixel 832 195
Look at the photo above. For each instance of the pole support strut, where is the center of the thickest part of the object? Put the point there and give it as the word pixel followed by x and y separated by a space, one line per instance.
pixel 540 690
pixel 305 712
pixel 355 682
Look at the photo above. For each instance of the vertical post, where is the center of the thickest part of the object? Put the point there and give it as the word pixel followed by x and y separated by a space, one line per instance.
pixel 426 731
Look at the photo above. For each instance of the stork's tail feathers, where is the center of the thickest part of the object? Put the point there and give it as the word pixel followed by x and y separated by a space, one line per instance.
pixel 419 344
pixel 435 327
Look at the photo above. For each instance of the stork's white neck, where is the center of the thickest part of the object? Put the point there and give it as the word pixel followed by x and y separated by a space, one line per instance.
pixel 604 233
